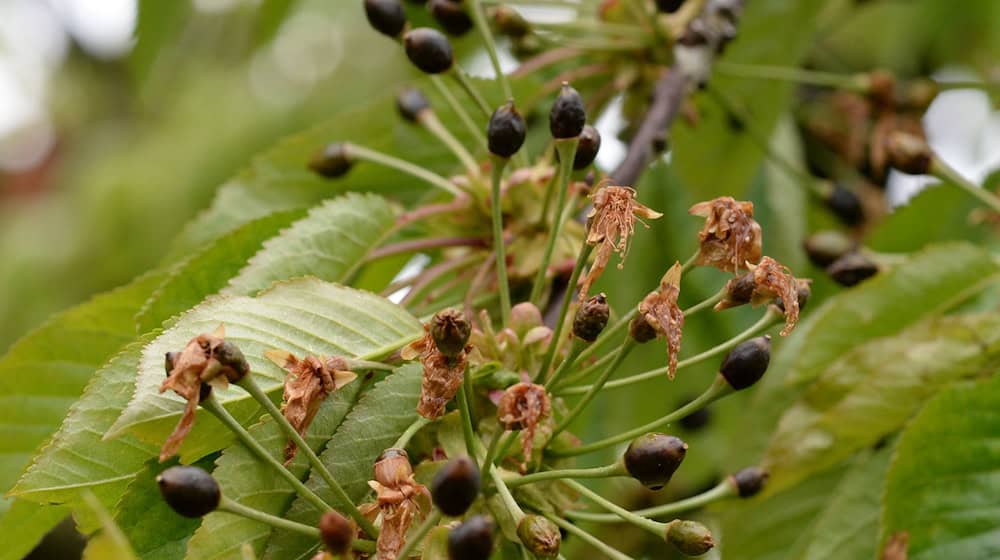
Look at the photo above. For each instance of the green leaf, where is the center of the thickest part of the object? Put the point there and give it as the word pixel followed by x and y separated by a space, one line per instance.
pixel 874 389
pixel 374 424
pixel 937 213
pixel 111 543
pixel 248 480
pixel 77 459
pixel 782 211
pixel 924 285
pixel 945 477
pixel 24 524
pixel 303 316
pixel 206 272
pixel 330 243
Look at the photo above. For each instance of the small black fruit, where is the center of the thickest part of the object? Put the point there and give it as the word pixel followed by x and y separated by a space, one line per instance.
pixel 746 364
pixel 332 161
pixel 455 486
pixel 568 116
pixel 336 532
pixel 653 458
pixel 429 50
pixel 591 318
pixel 586 150
pixel 451 16
pixel 386 16
pixel 749 481
pixel 506 131
pixel 190 491
pixel 472 540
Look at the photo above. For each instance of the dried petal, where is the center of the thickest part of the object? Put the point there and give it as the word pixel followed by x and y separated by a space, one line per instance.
pixel 399 499
pixel 610 225
pixel 773 280
pixel 522 407
pixel 443 375
pixel 660 310
pixel 730 237
pixel 308 383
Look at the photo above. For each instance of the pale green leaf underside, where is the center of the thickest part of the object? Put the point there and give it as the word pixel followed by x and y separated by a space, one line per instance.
pixel 302 316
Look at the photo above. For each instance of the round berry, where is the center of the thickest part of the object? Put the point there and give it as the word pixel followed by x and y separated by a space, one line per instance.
pixel 472 540
pixel 568 116
pixel 411 102
pixel 332 161
pixel 653 458
pixel 591 318
pixel 451 16
pixel 190 491
pixel 586 150
pixel 456 486
pixel 386 16
pixel 429 50
pixel 746 364
pixel 749 481
pixel 336 532
pixel 845 205
pixel 506 131
pixel 669 6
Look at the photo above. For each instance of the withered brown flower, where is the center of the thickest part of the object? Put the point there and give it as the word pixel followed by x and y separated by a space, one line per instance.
pixel 307 384
pixel 730 237
pixel 766 282
pixel 206 359
pixel 522 407
pixel 399 499
pixel 443 375
pixel 610 225
pixel 660 310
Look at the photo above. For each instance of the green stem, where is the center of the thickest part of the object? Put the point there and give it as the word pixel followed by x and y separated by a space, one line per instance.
pixel 496 176
pixel 229 506
pixel 723 490
pixel 463 115
pixel 212 405
pixel 367 154
pixel 706 303
pixel 434 125
pixel 853 82
pixel 405 437
pixel 508 499
pixel 368 365
pixel 418 535
pixel 690 263
pixel 566 148
pixel 623 351
pixel 718 389
pixel 491 451
pixel 769 318
pixel 470 88
pixel 491 47
pixel 591 26
pixel 607 471
pixel 557 333
pixel 593 541
pixel 543 218
pixel 655 527
pixel 946 173
pixel 468 431
pixel 567 363
pixel 250 386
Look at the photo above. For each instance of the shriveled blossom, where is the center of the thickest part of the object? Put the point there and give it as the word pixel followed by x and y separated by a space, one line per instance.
pixel 309 381
pixel 767 281
pixel 207 360
pixel 660 310
pixel 442 375
pixel 399 499
pixel 610 225
pixel 730 237
pixel 522 407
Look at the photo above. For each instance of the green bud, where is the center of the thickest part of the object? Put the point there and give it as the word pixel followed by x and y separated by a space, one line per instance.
pixel 540 536
pixel 689 537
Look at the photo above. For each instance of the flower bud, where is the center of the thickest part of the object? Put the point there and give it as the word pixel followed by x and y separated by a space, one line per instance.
pixel 909 153
pixel 851 269
pixel 640 330
pixel 411 102
pixel 336 531
pixel 567 118
pixel 428 50
pixel 749 481
pixel 540 536
pixel 506 131
pixel 689 537
pixel 190 491
pixel 845 205
pixel 472 540
pixel 451 16
pixel 386 16
pixel 824 247
pixel 510 23
pixel 332 161
pixel 653 458
pixel 392 467
pixel 586 150
pixel 591 318
pixel 746 364
pixel 234 364
pixel 455 486
pixel 450 331
pixel 669 6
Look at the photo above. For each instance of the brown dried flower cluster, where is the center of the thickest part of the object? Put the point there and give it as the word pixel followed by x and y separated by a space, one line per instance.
pixel 730 237
pixel 399 499
pixel 660 310
pixel 522 407
pixel 610 225
pixel 308 383
pixel 444 354
pixel 767 281
pixel 206 361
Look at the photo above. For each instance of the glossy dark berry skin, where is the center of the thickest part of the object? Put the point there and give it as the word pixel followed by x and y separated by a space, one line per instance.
pixel 411 102
pixel 455 486
pixel 669 6
pixel 746 364
pixel 591 318
pixel 472 540
pixel 568 116
pixel 641 331
pixel 429 50
pixel 190 491
pixel 332 161
pixel 451 16
pixel 336 532
pixel 653 458
pixel 749 481
pixel 586 150
pixel 234 364
pixel 386 16
pixel 851 269
pixel 845 205
pixel 506 131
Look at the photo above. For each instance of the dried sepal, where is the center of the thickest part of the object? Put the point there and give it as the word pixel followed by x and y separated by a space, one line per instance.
pixel 610 225
pixel 766 282
pixel 524 406
pixel 399 499
pixel 730 237
pixel 442 377
pixel 309 381
pixel 660 310
pixel 193 371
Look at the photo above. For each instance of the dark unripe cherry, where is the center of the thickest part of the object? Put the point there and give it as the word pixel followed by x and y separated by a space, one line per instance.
pixel 653 458
pixel 190 491
pixel 591 318
pixel 411 102
pixel 472 540
pixel 669 6
pixel 749 481
pixel 336 532
pixel 386 16
pixel 568 116
pixel 332 161
pixel 825 247
pixel 746 364
pixel 851 269
pixel 456 486
pixel 506 131
pixel 451 16
pixel 640 330
pixel 234 363
pixel 429 50
pixel 845 205
pixel 586 150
